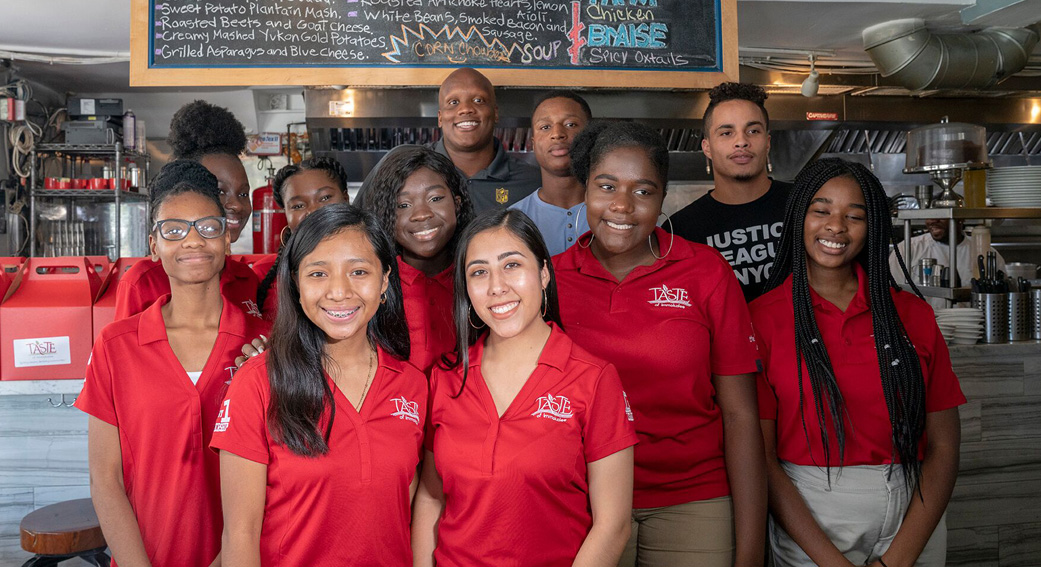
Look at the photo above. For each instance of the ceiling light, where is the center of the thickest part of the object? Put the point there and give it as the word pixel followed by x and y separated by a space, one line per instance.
pixel 813 82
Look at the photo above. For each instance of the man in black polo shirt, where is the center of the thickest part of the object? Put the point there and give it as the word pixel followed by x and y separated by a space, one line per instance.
pixel 743 215
pixel 467 114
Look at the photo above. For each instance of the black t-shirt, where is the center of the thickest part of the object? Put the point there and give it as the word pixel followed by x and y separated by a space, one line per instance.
pixel 747 235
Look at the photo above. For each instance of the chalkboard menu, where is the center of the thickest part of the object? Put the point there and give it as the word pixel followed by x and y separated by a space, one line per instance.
pixel 404 38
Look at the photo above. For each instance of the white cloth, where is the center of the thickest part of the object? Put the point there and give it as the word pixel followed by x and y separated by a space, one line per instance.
pixel 860 511
pixel 925 246
pixel 195 376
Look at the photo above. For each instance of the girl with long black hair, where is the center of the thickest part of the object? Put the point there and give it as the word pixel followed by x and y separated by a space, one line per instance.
pixel 155 383
pixel 320 436
pixel 300 189
pixel 858 401
pixel 671 316
pixel 420 198
pixel 529 445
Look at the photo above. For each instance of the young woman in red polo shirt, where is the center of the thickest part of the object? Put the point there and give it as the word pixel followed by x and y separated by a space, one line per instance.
pixel 858 400
pixel 670 315
pixel 154 387
pixel 529 458
pixel 300 189
pixel 213 137
pixel 421 200
pixel 321 435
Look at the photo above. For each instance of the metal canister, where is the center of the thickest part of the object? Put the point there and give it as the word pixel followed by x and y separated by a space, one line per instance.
pixel 1035 312
pixel 995 315
pixel 926 266
pixel 134 175
pixel 107 172
pixel 1019 327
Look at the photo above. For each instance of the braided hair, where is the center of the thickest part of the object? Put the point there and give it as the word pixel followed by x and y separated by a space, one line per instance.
pixel 334 170
pixel 199 129
pixel 903 385
pixel 382 197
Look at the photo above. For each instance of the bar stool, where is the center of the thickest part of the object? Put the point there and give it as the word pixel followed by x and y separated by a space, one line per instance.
pixel 63 531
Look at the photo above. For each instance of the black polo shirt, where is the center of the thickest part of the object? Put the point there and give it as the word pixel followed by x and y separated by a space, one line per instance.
pixel 504 182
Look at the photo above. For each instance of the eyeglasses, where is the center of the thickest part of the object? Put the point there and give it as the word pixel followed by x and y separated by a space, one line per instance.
pixel 177 229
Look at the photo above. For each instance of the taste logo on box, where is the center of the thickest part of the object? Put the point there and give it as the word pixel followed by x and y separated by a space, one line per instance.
pixel 42 351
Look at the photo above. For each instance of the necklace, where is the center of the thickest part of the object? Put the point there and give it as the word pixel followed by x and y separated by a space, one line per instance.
pixel 368 382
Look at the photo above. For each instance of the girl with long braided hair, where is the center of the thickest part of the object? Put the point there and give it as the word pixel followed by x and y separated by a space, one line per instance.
pixel 858 401
pixel 421 200
pixel 300 190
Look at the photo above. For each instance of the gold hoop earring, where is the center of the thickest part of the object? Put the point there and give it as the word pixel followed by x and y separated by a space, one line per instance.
pixel 383 298
pixel 672 239
pixel 471 321
pixel 545 303
pixel 591 237
pixel 282 235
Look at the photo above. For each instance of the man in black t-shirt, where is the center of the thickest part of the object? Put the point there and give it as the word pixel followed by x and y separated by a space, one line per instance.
pixel 743 215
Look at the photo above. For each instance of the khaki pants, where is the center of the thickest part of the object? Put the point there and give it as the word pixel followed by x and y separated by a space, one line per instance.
pixel 860 512
pixel 695 534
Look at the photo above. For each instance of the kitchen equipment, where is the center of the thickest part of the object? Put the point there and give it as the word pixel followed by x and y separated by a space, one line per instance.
pixel 926 267
pixel 944 151
pixel 1024 270
pixel 1035 311
pixel 1019 327
pixel 995 315
pixel 924 195
pixel 974 183
pixel 1015 186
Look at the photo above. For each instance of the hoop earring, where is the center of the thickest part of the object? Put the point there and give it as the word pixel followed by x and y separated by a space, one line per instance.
pixel 383 298
pixel 282 235
pixel 471 321
pixel 591 237
pixel 672 239
pixel 545 303
pixel 708 166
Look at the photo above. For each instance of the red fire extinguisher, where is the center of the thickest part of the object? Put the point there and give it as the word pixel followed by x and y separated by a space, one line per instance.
pixel 268 219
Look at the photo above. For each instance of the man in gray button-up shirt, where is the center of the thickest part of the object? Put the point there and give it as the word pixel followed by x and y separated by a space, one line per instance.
pixel 467 114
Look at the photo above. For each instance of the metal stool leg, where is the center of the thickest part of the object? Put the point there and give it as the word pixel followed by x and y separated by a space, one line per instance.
pixel 41 561
pixel 101 559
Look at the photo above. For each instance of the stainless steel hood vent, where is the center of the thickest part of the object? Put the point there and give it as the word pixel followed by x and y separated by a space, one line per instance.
pixel 867 141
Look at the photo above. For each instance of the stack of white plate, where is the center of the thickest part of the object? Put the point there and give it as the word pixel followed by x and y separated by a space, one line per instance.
pixel 960 325
pixel 1018 186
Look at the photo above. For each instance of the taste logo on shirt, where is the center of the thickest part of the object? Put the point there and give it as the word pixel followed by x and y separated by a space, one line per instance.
pixel 557 408
pixel 628 410
pixel 252 309
pixel 406 410
pixel 665 296
pixel 223 418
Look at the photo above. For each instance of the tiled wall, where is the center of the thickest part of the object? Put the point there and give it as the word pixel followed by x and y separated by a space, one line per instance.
pixel 994 517
pixel 43 460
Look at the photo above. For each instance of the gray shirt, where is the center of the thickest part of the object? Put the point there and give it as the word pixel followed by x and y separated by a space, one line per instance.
pixel 504 182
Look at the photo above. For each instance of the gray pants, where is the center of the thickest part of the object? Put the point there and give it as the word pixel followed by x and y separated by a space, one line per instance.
pixel 860 512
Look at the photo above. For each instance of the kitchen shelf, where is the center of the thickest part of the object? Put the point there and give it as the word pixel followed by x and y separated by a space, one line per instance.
pixel 956 294
pixel 89 193
pixel 963 213
pixel 88 150
pixel 114 152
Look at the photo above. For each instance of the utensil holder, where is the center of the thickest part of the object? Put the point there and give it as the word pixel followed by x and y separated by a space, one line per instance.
pixel 1019 327
pixel 1035 312
pixel 995 315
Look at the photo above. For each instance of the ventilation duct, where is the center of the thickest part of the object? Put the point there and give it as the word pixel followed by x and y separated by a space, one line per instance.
pixel 918 59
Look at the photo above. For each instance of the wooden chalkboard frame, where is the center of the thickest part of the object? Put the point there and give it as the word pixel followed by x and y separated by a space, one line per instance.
pixel 141 75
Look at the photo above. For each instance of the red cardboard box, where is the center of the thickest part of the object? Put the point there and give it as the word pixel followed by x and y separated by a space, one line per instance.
pixel 105 305
pixel 46 323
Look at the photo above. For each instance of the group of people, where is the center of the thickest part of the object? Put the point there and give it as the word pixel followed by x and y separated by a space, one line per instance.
pixel 465 369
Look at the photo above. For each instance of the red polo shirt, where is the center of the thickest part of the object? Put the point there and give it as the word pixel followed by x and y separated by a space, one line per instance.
pixel 428 310
pixel 516 487
pixel 350 506
pixel 849 338
pixel 146 281
pixel 668 328
pixel 135 382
